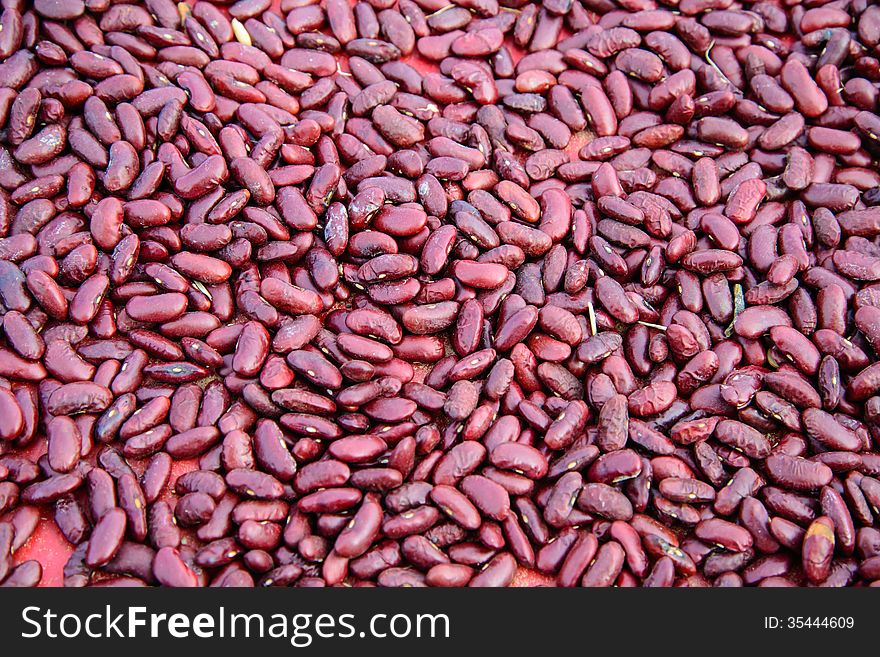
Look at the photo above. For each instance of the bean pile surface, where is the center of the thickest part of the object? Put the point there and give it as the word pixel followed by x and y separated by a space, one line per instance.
pixel 427 292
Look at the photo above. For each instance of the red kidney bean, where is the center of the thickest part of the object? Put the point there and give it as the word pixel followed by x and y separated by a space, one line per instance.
pixel 456 506
pixel 797 473
pixel 603 500
pixel 170 569
pixel 520 458
pixel 489 497
pixel 106 538
pixel 825 429
pixel 606 566
pixel 65 444
pixel 818 548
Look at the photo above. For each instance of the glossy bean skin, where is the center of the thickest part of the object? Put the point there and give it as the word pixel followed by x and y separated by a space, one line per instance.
pixel 818 547
pixel 106 537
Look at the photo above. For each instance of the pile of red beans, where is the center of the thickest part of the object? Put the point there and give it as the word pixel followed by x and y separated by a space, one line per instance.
pixel 426 292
